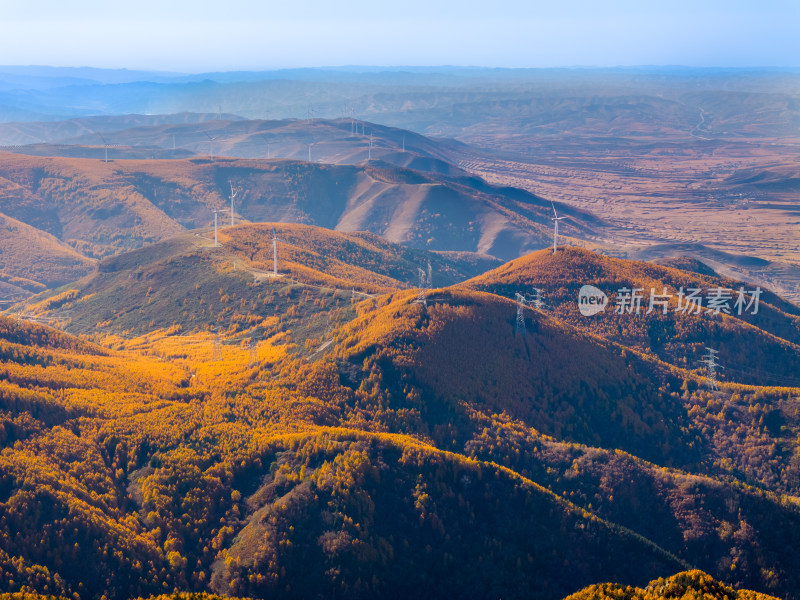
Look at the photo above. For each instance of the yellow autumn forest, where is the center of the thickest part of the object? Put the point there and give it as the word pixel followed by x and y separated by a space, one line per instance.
pixel 204 428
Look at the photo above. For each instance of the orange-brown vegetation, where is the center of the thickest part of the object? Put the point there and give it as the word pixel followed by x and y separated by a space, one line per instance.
pixel 762 348
pixel 689 585
pixel 375 447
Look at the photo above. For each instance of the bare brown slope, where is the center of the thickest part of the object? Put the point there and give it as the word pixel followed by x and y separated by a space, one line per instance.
pixel 84 203
pixel 32 254
pixel 104 208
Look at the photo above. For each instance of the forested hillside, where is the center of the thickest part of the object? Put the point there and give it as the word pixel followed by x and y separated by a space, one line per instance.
pixel 757 343
pixel 337 431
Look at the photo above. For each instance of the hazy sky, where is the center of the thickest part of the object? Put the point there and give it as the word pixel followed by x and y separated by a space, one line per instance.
pixel 201 35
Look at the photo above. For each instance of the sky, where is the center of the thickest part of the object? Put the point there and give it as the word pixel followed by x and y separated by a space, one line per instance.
pixel 193 36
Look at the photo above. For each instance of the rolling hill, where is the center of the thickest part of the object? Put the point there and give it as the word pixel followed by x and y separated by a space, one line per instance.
pixel 689 584
pixel 762 348
pixel 98 443
pixel 30 257
pixel 186 281
pixel 49 132
pixel 664 156
pixel 462 355
pixel 205 426
pixel 334 141
pixel 339 437
pixel 578 414
pixel 99 209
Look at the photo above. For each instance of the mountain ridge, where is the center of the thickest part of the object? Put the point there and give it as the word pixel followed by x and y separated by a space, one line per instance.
pixel 99 208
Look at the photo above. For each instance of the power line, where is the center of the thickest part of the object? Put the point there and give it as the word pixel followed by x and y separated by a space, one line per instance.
pixel 787 379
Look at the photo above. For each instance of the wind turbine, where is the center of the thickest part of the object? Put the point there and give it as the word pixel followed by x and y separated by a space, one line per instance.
pixel 275 240
pixel 556 219
pixel 233 195
pixel 105 145
pixel 210 145
pixel 216 215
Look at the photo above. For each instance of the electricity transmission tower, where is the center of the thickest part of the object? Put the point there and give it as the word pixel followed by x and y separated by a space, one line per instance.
pixel 253 360
pixel 216 353
pixel 711 364
pixel 421 289
pixel 521 301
